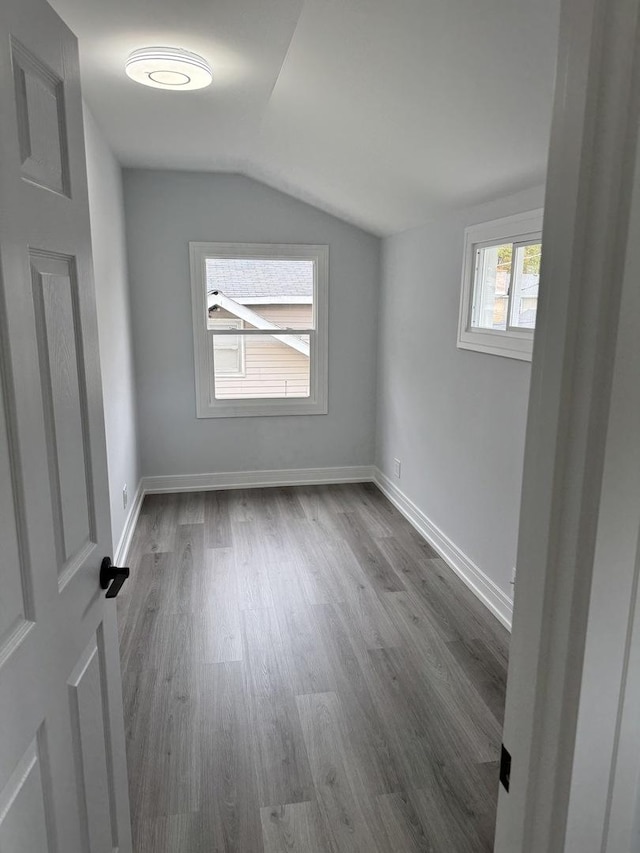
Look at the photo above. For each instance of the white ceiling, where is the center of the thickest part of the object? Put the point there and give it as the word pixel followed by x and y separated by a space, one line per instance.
pixel 380 111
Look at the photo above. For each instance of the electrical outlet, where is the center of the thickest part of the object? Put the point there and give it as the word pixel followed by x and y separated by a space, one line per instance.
pixel 397 466
pixel 125 497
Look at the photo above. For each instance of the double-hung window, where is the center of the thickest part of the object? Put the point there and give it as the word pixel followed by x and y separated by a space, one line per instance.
pixel 500 283
pixel 260 314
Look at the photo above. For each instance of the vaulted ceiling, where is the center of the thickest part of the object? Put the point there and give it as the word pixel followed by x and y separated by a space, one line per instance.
pixel 380 111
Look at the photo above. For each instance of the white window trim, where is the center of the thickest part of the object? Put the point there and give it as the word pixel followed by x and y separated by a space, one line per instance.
pixel 512 343
pixel 206 404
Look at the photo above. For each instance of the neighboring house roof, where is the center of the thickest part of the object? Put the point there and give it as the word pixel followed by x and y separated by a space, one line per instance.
pixel 261 281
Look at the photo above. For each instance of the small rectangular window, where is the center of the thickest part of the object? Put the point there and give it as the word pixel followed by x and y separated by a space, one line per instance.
pixel 260 328
pixel 501 277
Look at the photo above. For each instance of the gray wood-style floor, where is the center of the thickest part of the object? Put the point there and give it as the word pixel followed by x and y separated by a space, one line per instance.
pixel 302 674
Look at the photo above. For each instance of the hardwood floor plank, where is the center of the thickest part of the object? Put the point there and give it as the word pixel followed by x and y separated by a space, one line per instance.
pixel 140 689
pixel 321 511
pixel 243 504
pixel 161 513
pixel 342 804
pixel 378 522
pixel 287 503
pixel 147 594
pixel 451 823
pixel 228 773
pixel 407 718
pixel 308 664
pixel 371 559
pixel 365 730
pixel 167 779
pixel 217 522
pixel 403 826
pixel 486 791
pixel 171 833
pixel 191 508
pixel 453 606
pixel 281 759
pixel 251 559
pixel 334 572
pixel 480 667
pixel 219 589
pixel 168 646
pixel 185 568
pixel 217 637
pixel 295 828
pixel 371 625
pixel 422 582
pixel 289 582
pixel 446 678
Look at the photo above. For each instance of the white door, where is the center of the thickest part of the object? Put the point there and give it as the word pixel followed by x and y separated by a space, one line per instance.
pixel 63 786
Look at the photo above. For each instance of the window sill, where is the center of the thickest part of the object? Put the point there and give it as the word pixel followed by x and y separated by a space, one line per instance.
pixel 262 408
pixel 507 346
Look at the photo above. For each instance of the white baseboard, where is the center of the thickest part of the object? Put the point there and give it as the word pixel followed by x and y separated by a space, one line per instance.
pixel 257 479
pixel 487 591
pixel 122 550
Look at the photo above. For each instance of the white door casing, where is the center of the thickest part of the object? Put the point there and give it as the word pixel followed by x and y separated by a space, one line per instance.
pixel 63 786
pixel 577 565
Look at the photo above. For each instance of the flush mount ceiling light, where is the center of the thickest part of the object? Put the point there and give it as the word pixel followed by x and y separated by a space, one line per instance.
pixel 169 68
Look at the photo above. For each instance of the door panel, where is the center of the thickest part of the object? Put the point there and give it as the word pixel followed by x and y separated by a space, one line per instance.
pixel 58 333
pixel 89 717
pixel 60 691
pixel 39 95
pixel 13 601
pixel 24 822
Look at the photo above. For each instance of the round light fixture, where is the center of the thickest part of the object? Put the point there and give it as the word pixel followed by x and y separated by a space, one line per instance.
pixel 169 68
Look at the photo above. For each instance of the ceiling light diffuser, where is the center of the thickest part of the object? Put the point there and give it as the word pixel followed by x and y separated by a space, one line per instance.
pixel 169 68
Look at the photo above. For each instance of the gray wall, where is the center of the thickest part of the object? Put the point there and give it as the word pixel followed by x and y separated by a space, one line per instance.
pixel 114 326
pixel 456 419
pixel 164 211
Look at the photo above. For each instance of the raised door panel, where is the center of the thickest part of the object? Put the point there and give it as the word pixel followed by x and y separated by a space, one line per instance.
pixel 92 747
pixel 25 815
pixel 15 601
pixel 59 339
pixel 39 95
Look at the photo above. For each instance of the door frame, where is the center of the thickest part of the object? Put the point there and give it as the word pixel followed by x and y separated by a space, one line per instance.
pixel 564 745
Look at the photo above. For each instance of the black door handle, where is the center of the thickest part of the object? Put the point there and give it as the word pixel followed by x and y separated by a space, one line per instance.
pixel 110 574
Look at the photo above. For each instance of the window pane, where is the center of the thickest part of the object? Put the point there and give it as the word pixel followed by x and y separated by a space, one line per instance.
pixel 274 367
pixel 491 287
pixel 228 358
pixel 265 294
pixel 526 278
pixel 229 348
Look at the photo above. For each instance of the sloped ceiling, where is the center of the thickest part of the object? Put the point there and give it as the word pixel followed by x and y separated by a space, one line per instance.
pixel 380 111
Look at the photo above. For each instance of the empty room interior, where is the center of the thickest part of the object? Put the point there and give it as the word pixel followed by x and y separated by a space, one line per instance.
pixel 267 373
